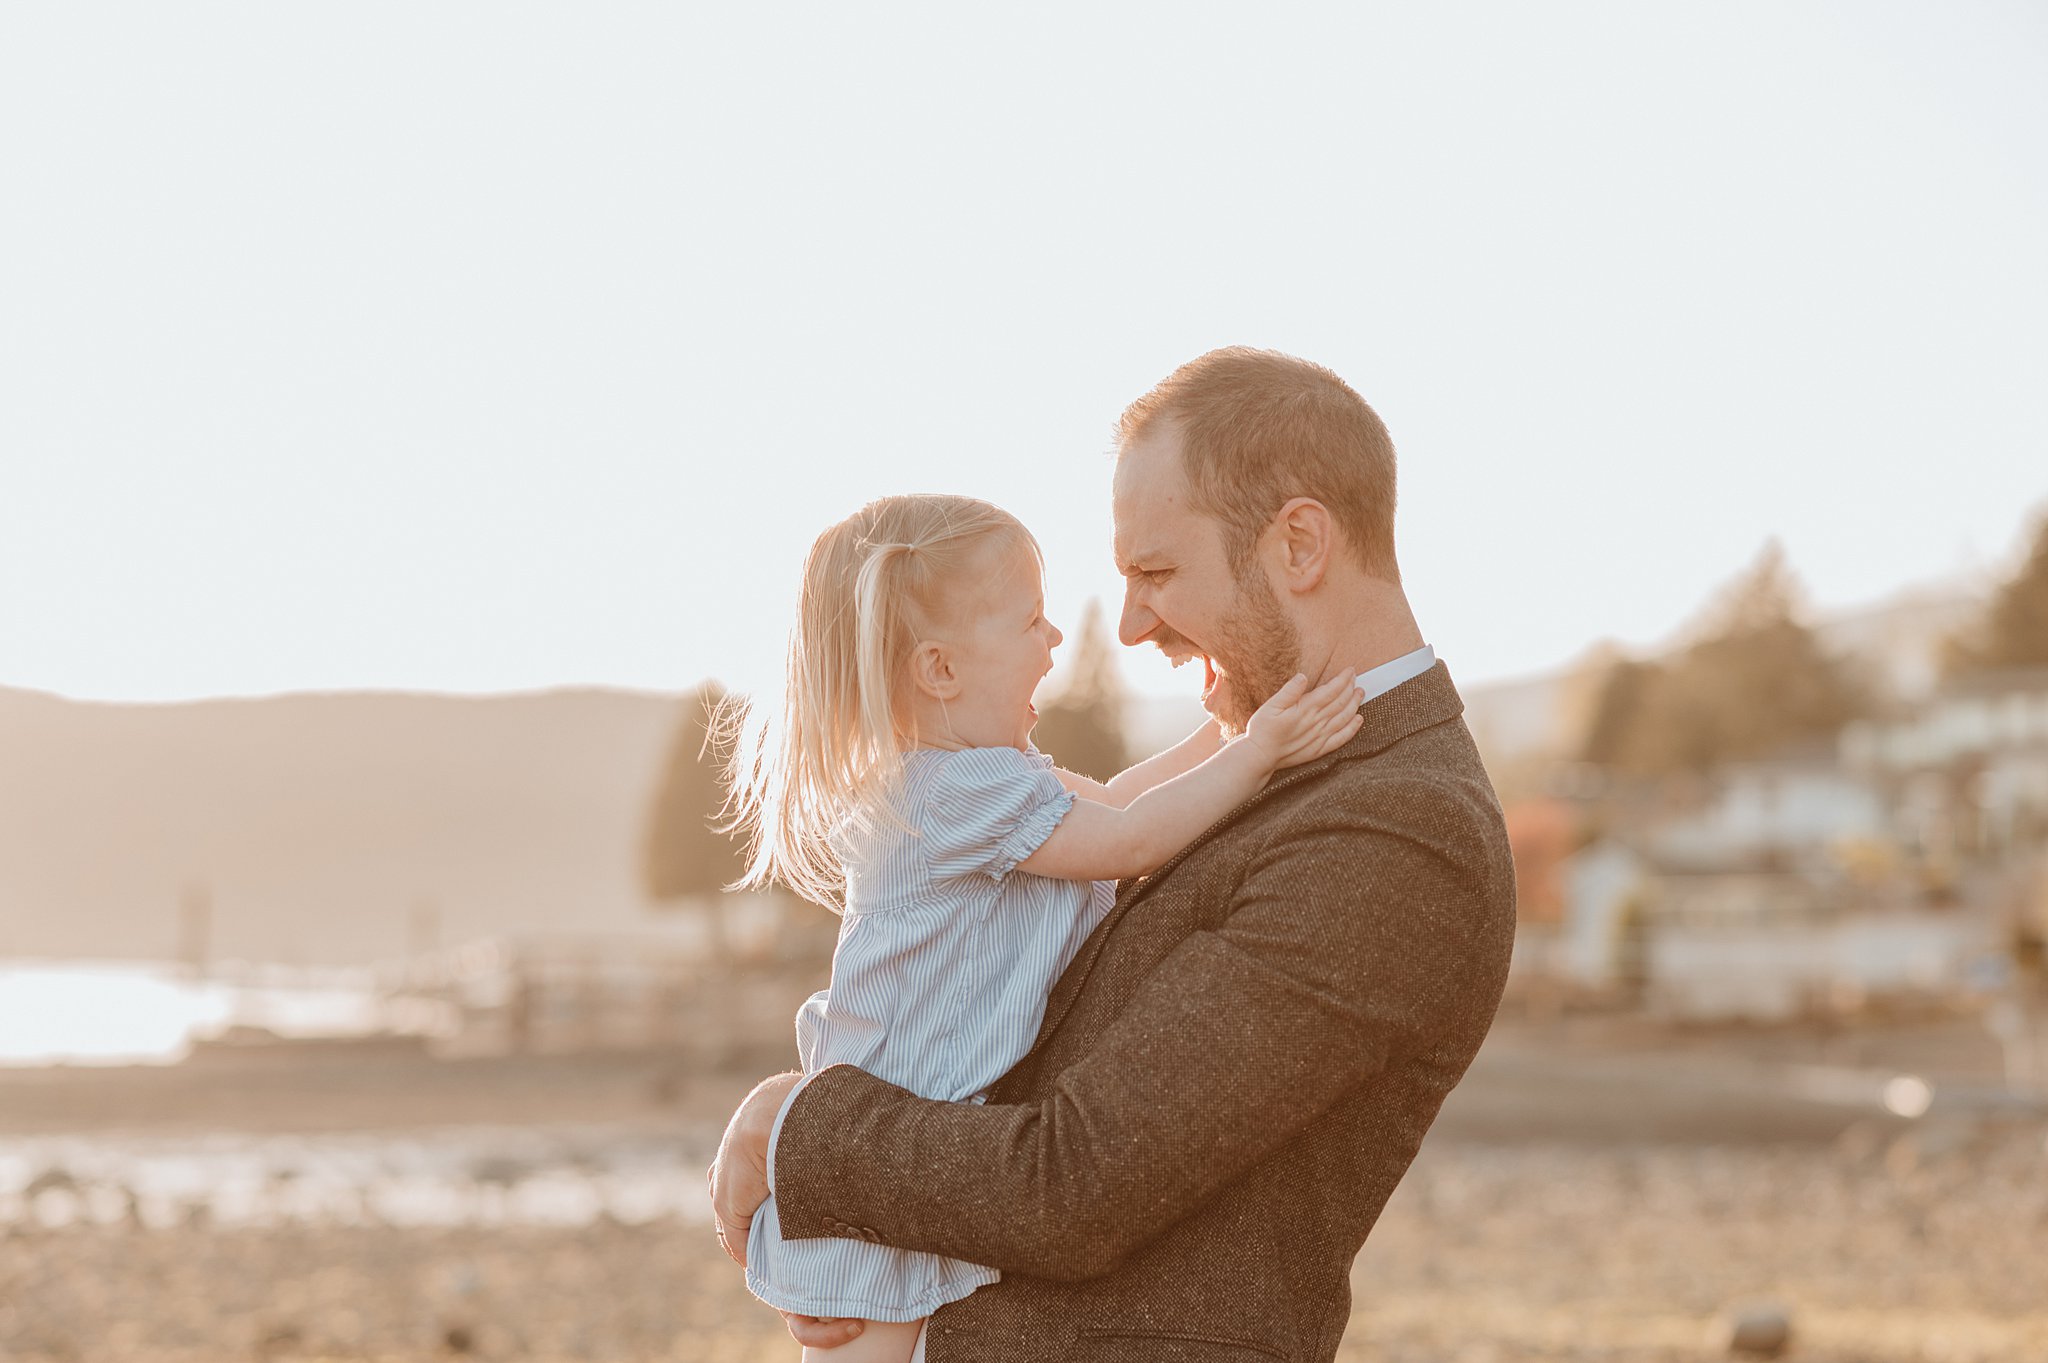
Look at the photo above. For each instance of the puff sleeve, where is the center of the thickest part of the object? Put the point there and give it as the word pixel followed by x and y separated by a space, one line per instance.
pixel 988 809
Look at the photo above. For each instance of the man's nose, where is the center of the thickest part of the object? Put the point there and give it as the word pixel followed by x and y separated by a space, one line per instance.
pixel 1137 619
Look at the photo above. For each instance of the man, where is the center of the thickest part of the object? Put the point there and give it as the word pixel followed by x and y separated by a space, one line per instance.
pixel 1240 1063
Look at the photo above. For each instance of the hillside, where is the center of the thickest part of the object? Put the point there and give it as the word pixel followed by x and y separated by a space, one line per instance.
pixel 1895 645
pixel 318 823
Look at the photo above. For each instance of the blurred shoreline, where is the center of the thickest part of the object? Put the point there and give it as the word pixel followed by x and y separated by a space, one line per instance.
pixel 1599 1188
pixel 1595 1078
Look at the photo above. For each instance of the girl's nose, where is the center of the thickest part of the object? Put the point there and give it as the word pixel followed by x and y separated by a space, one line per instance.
pixel 1057 637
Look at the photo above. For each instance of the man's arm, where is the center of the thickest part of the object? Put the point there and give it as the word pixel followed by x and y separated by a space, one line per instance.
pixel 1346 933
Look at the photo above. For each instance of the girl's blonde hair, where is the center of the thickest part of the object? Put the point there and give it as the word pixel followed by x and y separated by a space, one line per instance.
pixel 829 753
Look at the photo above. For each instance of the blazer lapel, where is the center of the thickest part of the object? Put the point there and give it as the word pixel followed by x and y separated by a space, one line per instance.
pixel 1414 705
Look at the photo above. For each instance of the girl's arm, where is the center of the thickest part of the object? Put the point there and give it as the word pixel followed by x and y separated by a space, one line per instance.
pixel 1184 756
pixel 1087 787
pixel 1129 784
pixel 1104 842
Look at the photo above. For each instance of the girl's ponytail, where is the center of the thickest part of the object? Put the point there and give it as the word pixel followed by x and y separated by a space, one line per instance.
pixel 829 754
pixel 877 608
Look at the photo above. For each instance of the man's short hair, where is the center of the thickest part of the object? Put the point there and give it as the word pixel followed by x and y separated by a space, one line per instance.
pixel 1258 428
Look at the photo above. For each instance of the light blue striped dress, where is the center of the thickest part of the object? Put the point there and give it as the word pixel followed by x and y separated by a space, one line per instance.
pixel 939 982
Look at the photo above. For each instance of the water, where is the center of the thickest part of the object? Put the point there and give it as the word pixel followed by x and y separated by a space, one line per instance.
pixel 552 1176
pixel 146 1012
pixel 109 1013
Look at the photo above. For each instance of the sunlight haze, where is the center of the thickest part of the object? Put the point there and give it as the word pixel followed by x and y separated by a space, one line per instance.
pixel 486 347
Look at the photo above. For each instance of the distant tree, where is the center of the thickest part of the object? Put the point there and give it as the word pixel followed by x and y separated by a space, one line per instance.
pixel 1580 688
pixel 1613 735
pixel 1082 726
pixel 683 856
pixel 1754 680
pixel 2014 629
pixel 1760 679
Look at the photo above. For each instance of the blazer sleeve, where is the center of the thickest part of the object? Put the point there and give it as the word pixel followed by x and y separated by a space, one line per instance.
pixel 1351 935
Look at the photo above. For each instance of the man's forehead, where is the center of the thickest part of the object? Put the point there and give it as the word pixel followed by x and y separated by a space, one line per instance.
pixel 1143 533
pixel 1148 499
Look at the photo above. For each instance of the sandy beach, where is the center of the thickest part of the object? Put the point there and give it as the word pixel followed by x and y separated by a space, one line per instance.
pixel 1567 1208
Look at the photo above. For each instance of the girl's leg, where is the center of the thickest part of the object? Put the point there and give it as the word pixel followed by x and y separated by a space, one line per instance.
pixel 883 1341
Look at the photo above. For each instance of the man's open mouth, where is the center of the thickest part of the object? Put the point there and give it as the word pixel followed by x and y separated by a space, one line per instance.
pixel 1209 674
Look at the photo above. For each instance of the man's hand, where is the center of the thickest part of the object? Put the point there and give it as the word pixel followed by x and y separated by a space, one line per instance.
pixel 739 1175
pixel 738 1179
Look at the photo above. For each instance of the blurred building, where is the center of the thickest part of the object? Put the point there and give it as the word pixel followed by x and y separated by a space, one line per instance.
pixel 1970 765
pixel 1750 940
pixel 1897 869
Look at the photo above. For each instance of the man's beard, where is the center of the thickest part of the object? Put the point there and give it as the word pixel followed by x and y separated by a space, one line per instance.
pixel 1257 650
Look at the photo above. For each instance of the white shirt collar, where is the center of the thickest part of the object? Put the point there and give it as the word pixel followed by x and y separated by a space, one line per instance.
pixel 1384 678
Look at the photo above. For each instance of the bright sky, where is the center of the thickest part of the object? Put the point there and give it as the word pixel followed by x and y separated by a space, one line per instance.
pixel 479 347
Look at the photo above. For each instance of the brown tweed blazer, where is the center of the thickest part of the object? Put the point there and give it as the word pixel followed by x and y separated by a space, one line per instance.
pixel 1231 1076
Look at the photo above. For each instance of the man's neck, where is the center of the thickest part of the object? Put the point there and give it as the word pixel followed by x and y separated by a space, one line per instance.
pixel 1365 628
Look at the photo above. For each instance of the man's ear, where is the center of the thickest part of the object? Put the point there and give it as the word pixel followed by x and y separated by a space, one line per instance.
pixel 1303 537
pixel 931 670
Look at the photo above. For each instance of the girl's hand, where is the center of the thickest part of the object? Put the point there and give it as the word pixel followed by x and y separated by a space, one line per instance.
pixel 1299 725
pixel 823 1332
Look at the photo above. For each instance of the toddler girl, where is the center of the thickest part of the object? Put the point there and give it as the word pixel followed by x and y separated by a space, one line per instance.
pixel 900 780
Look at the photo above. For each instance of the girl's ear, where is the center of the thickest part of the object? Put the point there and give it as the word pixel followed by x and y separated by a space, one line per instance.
pixel 931 671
